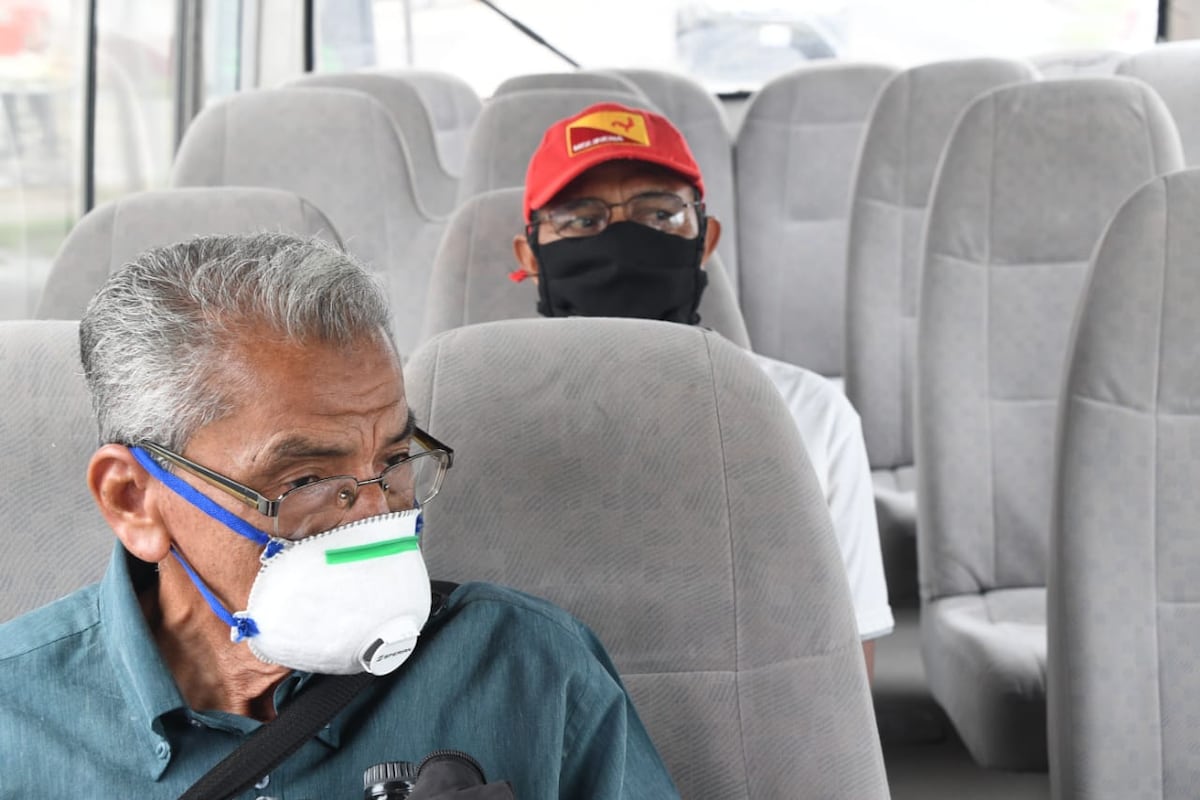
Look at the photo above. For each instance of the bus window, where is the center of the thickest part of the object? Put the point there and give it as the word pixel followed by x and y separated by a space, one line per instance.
pixel 42 69
pixel 222 48
pixel 135 80
pixel 728 45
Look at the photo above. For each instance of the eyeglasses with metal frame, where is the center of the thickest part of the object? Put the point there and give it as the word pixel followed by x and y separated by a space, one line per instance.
pixel 320 505
pixel 588 216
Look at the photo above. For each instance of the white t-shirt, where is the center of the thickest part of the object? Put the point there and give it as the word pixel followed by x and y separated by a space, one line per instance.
pixel 832 433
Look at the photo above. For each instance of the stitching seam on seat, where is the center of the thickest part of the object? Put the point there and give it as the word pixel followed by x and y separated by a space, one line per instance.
pixel 897 344
pixel 737 644
pixel 987 336
pixel 1162 304
pixel 466 291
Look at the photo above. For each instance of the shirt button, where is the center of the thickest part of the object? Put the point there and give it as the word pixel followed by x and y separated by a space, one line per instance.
pixel 263 783
pixel 197 723
pixel 162 750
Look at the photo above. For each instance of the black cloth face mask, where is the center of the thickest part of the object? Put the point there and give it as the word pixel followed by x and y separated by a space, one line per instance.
pixel 626 270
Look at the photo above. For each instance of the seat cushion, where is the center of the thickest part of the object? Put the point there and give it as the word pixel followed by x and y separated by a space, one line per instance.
pixel 985 655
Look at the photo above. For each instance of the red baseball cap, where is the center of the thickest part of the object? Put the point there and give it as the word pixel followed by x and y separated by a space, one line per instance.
pixel 600 133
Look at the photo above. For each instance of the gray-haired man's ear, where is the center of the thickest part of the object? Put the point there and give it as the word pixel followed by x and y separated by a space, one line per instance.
pixel 123 491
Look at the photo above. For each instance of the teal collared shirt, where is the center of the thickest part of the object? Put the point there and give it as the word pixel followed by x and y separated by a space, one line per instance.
pixel 89 709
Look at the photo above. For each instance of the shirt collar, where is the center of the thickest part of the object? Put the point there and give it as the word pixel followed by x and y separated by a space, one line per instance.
pixel 143 676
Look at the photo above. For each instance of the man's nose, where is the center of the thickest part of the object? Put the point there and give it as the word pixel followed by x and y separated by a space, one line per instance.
pixel 617 213
pixel 370 502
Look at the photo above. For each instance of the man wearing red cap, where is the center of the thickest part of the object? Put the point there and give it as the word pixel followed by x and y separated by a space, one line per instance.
pixel 616 227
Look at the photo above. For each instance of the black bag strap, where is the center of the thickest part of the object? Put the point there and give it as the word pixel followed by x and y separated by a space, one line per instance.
pixel 268 746
pixel 298 722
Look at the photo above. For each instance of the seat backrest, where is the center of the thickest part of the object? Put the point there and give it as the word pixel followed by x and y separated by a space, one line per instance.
pixel 511 127
pixel 907 131
pixel 1031 176
pixel 111 235
pixel 1124 584
pixel 54 539
pixel 338 149
pixel 436 186
pixel 600 80
pixel 1077 63
pixel 1173 70
pixel 470 281
pixel 701 119
pixel 454 107
pixel 647 477
pixel 796 154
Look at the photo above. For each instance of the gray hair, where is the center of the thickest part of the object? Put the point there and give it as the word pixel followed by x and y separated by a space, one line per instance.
pixel 151 338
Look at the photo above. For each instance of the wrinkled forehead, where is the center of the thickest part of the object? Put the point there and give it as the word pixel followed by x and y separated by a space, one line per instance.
pixel 623 178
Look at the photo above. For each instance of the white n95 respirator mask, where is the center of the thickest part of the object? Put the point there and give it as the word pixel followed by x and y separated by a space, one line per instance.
pixel 349 600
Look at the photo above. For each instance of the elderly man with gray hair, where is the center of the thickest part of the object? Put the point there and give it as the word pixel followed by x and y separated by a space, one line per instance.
pixel 265 479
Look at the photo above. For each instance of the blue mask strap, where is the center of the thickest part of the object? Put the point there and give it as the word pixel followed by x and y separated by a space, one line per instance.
pixel 241 627
pixel 189 493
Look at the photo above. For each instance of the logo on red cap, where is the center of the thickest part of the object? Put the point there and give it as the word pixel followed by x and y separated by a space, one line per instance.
pixel 606 127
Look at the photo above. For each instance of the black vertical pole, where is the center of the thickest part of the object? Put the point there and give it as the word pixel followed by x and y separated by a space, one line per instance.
pixel 1164 20
pixel 310 36
pixel 89 110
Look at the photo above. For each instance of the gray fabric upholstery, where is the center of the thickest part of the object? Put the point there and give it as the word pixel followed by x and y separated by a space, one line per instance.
pixel 796 154
pixel 697 544
pixel 599 80
pixel 454 107
pixel 985 658
pixel 908 128
pixel 1077 63
pixel 1173 70
pixel 113 234
pixel 470 281
pixel 339 149
pixel 511 126
pixel 1026 185
pixel 54 540
pixel 699 116
pixel 1124 583
pixel 436 186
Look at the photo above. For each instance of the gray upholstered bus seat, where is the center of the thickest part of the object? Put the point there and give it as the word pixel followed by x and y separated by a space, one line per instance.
pixel 701 118
pixel 436 185
pixel 1173 70
pixel 1030 178
pixel 797 150
pixel 908 128
pixel 111 235
pixel 1124 580
pixel 454 106
pixel 470 282
pixel 647 477
pixel 511 127
pixel 54 539
pixel 338 149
